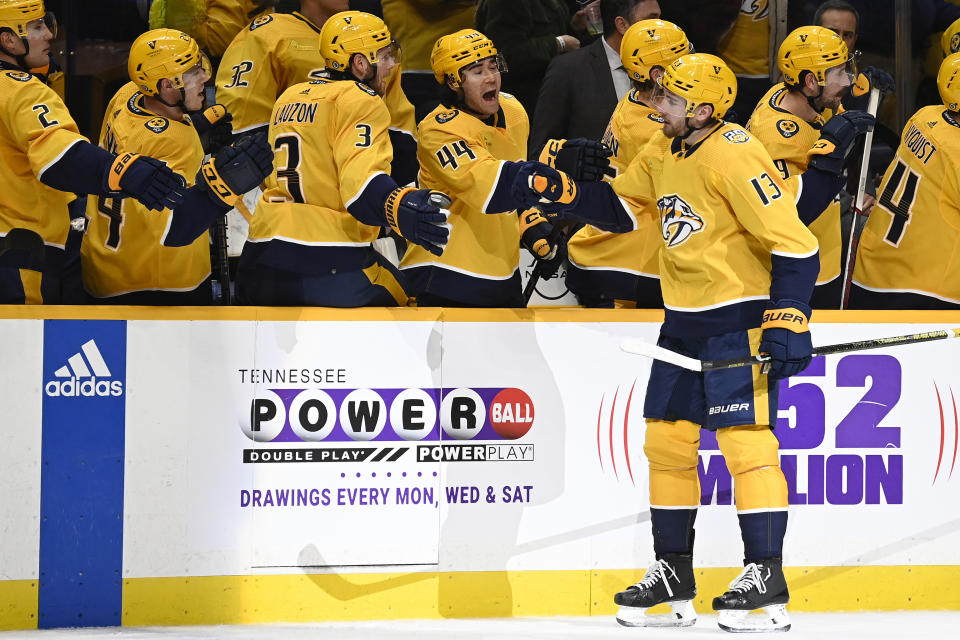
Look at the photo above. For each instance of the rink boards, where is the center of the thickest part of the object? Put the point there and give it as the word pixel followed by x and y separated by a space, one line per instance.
pixel 253 465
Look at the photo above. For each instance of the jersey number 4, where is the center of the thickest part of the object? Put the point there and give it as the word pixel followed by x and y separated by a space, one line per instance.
pixel 902 209
pixel 112 208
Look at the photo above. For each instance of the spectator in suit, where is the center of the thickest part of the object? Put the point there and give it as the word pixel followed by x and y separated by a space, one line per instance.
pixel 581 90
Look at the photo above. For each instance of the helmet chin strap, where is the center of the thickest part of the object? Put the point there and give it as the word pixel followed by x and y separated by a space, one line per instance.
pixel 690 129
pixel 181 104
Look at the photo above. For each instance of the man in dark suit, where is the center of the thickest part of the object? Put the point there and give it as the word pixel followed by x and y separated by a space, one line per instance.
pixel 581 90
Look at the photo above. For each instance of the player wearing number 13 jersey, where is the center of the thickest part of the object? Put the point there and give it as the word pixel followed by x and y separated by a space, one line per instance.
pixel 330 192
pixel 909 255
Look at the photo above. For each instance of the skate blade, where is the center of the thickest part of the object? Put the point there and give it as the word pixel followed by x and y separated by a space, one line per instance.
pixel 681 614
pixel 739 621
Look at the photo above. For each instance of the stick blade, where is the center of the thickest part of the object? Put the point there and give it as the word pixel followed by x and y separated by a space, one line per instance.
pixel 644 348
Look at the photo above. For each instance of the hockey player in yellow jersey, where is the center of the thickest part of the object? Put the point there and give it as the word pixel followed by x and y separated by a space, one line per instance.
pixel 737 270
pixel 134 256
pixel 44 161
pixel 909 253
pixel 472 146
pixel 791 121
pixel 279 50
pixel 330 192
pixel 213 23
pixel 607 267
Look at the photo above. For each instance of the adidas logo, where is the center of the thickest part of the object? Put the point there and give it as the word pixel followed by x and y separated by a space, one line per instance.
pixel 77 368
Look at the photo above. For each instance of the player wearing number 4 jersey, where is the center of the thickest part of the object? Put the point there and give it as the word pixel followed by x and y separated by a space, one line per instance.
pixel 134 256
pixel 330 192
pixel 44 160
pixel 737 270
pixel 909 255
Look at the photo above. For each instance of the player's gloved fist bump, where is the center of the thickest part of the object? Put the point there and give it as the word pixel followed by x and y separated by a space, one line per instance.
pixel 420 216
pixel 536 184
pixel 581 159
pixel 147 180
pixel 238 168
pixel 786 338
pixel 536 234
pixel 837 138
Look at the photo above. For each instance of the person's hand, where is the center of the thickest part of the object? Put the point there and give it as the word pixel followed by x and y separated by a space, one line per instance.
pixel 420 216
pixel 567 43
pixel 147 180
pixel 536 234
pixel 237 168
pixel 214 126
pixel 538 185
pixel 582 159
pixel 830 152
pixel 786 338
pixel 872 78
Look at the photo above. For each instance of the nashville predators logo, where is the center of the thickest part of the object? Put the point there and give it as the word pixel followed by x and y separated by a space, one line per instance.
pixel 19 76
pixel 677 220
pixel 446 116
pixel 756 9
pixel 788 128
pixel 260 21
pixel 736 136
pixel 157 125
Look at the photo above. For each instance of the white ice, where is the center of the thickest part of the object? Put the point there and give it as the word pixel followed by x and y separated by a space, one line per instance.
pixel 806 626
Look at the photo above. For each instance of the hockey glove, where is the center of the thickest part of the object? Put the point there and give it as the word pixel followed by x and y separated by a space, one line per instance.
pixel 420 216
pixel 582 159
pixel 536 234
pixel 147 180
pixel 786 338
pixel 214 127
pixel 549 190
pixel 830 152
pixel 237 168
pixel 870 78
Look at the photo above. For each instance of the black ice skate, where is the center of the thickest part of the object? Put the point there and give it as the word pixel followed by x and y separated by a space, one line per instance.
pixel 669 579
pixel 760 585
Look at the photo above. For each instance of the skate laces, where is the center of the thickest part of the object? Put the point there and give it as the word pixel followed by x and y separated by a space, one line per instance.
pixel 656 572
pixel 749 578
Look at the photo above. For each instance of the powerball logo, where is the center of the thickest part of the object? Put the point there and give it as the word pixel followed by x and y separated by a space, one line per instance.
pixel 84 374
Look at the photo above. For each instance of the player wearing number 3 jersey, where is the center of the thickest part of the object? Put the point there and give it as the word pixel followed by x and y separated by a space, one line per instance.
pixel 330 191
pixel 909 256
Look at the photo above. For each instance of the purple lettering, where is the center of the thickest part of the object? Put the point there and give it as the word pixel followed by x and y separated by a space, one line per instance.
pixel 715 480
pixel 886 477
pixel 809 410
pixel 860 428
pixel 844 479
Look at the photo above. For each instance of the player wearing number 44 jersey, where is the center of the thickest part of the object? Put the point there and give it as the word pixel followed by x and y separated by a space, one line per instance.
pixel 909 255
pixel 134 256
pixel 44 160
pixel 330 192
pixel 737 270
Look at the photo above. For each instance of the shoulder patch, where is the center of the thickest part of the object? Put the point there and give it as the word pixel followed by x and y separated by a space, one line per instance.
pixel 655 117
pixel 157 124
pixel 19 76
pixel 788 128
pixel 366 89
pixel 446 116
pixel 260 21
pixel 736 136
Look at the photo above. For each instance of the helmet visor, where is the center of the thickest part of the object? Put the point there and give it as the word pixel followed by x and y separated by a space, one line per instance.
pixel 842 75
pixel 481 68
pixel 51 21
pixel 667 102
pixel 391 54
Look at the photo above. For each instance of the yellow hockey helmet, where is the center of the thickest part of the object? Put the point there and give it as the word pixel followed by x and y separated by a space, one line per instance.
pixel 701 78
pixel 349 33
pixel 950 40
pixel 813 49
pixel 15 14
pixel 453 52
pixel 163 54
pixel 651 43
pixel 948 81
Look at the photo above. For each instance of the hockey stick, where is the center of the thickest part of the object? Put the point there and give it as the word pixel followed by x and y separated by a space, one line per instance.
pixel 642 348
pixel 859 219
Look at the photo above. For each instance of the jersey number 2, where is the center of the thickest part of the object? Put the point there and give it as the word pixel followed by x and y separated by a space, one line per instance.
pixel 42 111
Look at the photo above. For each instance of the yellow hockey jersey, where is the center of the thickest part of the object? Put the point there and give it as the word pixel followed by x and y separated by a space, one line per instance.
pixel 746 46
pixel 788 139
pixel 213 23
pixel 123 250
pixel 36 131
pixel 732 237
pixel 637 252
pixel 462 156
pixel 416 24
pixel 330 140
pixel 273 53
pixel 911 242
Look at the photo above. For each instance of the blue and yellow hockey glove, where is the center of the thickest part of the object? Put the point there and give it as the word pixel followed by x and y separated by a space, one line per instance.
pixel 536 234
pixel 420 216
pixel 237 168
pixel 581 159
pixel 786 338
pixel 147 180
pixel 830 152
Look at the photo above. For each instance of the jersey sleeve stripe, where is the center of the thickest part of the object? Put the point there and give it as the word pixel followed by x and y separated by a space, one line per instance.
pixel 493 189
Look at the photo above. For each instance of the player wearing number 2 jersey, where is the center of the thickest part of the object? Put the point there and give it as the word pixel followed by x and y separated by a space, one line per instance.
pixel 909 256
pixel 330 192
